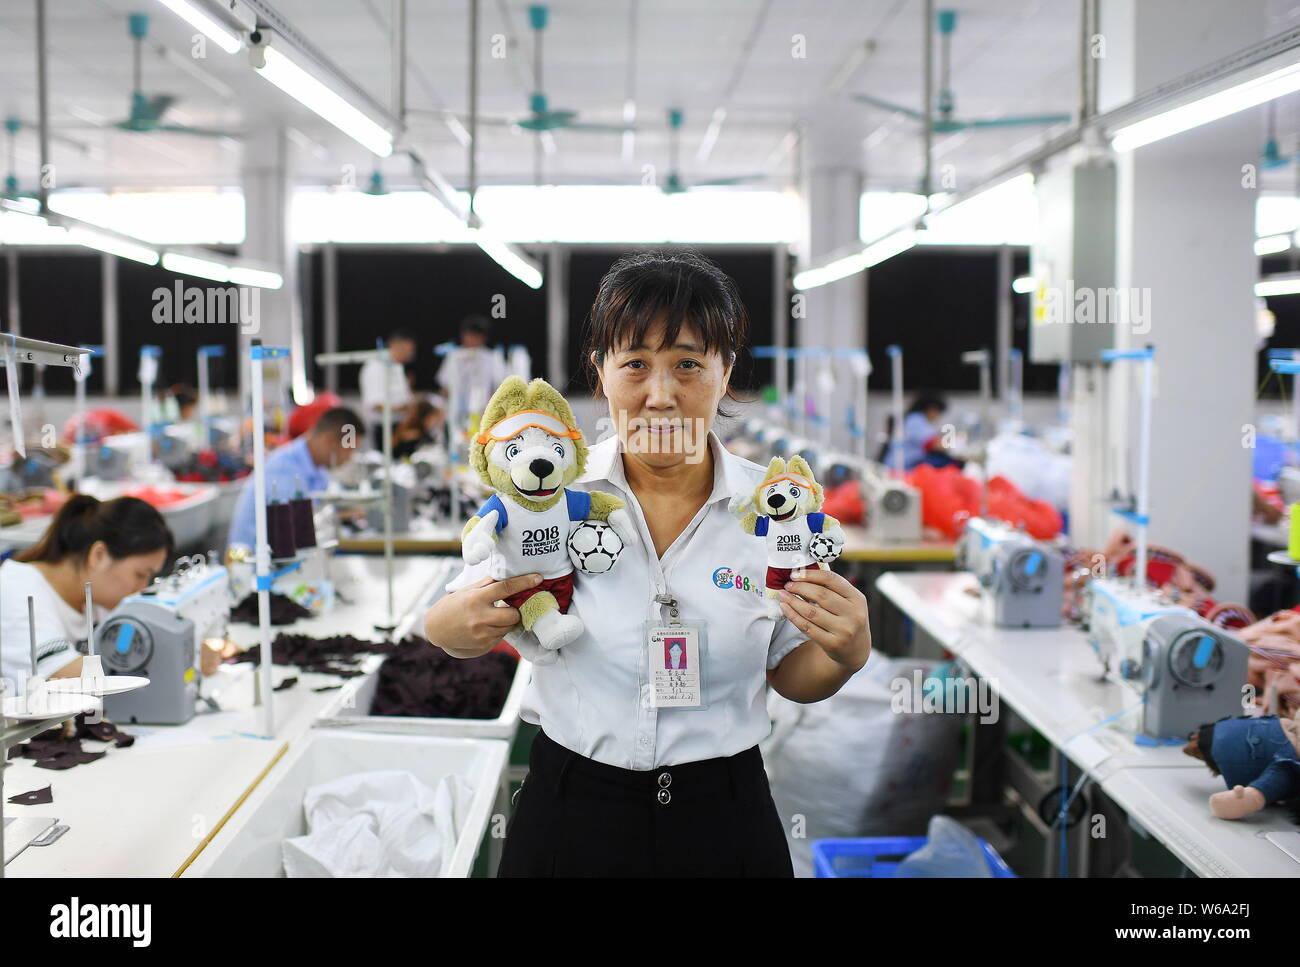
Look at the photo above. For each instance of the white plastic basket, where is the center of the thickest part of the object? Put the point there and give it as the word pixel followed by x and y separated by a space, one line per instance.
pixel 249 845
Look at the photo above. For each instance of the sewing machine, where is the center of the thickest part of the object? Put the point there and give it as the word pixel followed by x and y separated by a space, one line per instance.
pixel 1022 578
pixel 894 509
pixel 157 634
pixel 1187 671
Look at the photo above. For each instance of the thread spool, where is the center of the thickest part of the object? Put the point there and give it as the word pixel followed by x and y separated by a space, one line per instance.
pixel 279 529
pixel 1293 542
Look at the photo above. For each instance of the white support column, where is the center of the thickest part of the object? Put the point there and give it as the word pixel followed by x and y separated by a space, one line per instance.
pixel 1186 227
pixel 832 168
pixel 268 194
pixel 557 316
pixel 108 304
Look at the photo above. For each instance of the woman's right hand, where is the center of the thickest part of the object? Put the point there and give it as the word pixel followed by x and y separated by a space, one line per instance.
pixel 466 623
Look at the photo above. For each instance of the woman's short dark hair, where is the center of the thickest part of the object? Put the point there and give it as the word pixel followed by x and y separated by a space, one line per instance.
pixel 127 526
pixel 674 288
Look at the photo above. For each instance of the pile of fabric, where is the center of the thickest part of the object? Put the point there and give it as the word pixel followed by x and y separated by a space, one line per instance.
pixel 1178 580
pixel 339 655
pixel 284 610
pixel 949 498
pixel 420 680
pixel 60 748
pixel 1274 667
pixel 416 679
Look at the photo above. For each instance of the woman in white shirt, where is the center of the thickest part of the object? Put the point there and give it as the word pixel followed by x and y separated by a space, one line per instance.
pixel 620 782
pixel 117 545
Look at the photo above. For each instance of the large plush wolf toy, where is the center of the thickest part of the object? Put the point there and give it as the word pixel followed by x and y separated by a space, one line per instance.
pixel 529 450
pixel 785 509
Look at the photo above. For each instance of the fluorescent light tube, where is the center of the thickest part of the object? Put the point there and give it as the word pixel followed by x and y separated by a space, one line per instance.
pixel 200 21
pixel 104 242
pixel 301 85
pixel 505 256
pixel 1272 244
pixel 190 265
pixel 1024 284
pixel 1278 285
pixel 1212 107
pixel 261 278
pixel 873 254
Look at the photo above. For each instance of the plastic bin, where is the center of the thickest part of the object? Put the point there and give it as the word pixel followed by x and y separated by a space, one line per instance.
pixel 249 845
pixel 351 707
pixel 878 856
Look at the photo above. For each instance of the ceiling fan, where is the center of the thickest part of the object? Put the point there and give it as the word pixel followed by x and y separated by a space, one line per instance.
pixel 1272 156
pixel 541 116
pixel 673 184
pixel 147 110
pixel 944 122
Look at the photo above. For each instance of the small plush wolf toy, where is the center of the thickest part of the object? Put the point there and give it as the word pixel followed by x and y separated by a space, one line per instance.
pixel 1259 759
pixel 784 509
pixel 528 450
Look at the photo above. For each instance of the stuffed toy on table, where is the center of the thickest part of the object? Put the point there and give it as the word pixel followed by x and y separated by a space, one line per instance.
pixel 1258 757
pixel 784 509
pixel 528 450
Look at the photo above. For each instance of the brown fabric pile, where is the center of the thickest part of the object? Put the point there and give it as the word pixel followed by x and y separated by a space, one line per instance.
pixel 340 655
pixel 284 610
pixel 421 680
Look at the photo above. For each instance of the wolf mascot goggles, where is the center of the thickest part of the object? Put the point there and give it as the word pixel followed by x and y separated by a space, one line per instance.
pixel 516 423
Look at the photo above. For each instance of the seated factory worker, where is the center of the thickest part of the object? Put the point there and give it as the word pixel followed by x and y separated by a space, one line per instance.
pixel 420 428
pixel 922 438
pixel 117 546
pixel 302 464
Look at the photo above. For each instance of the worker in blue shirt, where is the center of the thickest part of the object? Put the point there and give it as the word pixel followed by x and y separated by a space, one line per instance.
pixel 922 436
pixel 302 464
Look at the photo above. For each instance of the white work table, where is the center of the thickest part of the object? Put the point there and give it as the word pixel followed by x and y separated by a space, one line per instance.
pixel 1052 678
pixel 144 810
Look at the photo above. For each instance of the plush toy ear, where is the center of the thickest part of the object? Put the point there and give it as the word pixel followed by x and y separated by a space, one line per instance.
pixel 511 397
pixel 774 469
pixel 543 396
pixel 800 466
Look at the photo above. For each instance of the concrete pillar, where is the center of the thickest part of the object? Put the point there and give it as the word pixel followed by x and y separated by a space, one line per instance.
pixel 268 194
pixel 1185 236
pixel 835 314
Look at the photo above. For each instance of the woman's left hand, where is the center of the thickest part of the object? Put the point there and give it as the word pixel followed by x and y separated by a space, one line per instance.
pixel 832 613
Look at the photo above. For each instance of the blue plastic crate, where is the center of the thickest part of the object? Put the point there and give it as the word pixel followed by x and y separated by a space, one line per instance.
pixel 878 856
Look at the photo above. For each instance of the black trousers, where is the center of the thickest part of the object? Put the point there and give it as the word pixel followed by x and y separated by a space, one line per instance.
pixel 578 817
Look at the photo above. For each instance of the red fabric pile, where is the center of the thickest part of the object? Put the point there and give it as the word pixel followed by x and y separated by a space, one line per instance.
pixel 949 498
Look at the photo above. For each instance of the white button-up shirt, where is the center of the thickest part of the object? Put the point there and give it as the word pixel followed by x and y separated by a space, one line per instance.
pixel 595 698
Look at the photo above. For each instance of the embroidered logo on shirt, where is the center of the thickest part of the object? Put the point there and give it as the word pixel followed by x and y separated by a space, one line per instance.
pixel 725 578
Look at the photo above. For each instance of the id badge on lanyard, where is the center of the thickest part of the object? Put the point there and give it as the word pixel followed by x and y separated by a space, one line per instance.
pixel 676 652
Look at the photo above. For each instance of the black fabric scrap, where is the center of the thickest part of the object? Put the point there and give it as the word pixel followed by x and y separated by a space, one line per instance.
pixel 68 760
pixel 285 685
pixel 37 797
pixel 328 688
pixel 424 681
pixel 284 610
pixel 103 731
pixel 55 749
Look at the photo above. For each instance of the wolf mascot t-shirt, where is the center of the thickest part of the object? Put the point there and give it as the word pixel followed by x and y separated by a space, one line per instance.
pixel 787 540
pixel 536 541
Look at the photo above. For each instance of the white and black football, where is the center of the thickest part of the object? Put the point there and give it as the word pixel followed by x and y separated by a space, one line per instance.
pixel 594 547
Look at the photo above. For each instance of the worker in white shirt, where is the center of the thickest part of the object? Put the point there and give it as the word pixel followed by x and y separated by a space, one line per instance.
pixel 471 372
pixel 375 372
pixel 647 761
pixel 117 546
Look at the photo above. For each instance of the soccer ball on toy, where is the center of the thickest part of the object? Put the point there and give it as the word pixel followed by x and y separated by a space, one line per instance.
pixel 822 549
pixel 594 547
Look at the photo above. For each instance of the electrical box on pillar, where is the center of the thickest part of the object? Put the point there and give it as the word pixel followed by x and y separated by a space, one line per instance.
pixel 1073 264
